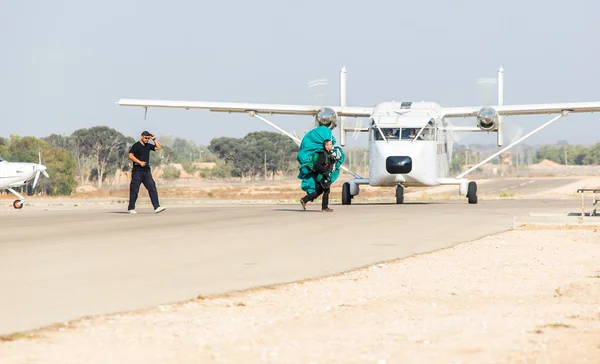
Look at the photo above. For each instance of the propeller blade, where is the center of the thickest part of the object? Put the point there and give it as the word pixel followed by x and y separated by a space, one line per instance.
pixel 37 176
pixel 46 174
pixel 512 131
pixel 357 127
pixel 486 90
pixel 318 88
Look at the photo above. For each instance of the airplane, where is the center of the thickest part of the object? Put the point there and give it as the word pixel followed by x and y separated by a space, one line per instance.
pixel 16 174
pixel 410 143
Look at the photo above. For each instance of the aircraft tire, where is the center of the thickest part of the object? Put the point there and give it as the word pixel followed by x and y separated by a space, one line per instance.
pixel 16 204
pixel 472 192
pixel 346 196
pixel 399 194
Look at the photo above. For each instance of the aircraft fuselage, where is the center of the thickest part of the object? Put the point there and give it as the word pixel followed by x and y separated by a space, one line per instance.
pixel 16 174
pixel 407 147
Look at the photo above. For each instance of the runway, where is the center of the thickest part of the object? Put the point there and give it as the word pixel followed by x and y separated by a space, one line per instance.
pixel 60 263
pixel 524 186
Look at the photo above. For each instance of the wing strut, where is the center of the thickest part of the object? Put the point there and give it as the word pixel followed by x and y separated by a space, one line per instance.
pixel 562 114
pixel 294 138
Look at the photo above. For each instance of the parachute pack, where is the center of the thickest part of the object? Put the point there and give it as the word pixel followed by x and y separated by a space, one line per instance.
pixel 311 144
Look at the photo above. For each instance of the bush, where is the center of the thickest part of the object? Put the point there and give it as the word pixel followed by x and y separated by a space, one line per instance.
pixel 171 172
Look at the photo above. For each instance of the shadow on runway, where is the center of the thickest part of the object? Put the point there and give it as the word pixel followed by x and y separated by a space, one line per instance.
pixel 586 214
pixel 297 210
pixel 393 203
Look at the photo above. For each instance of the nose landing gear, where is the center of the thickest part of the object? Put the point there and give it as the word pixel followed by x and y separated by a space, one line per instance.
pixel 17 204
pixel 399 194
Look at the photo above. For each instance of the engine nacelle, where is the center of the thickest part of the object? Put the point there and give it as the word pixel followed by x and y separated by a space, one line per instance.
pixel 326 116
pixel 487 118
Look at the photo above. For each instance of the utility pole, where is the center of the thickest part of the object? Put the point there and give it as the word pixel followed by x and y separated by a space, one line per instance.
pixel 265 166
pixel 566 163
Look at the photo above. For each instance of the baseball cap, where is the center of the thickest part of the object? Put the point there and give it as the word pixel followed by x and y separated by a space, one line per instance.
pixel 146 133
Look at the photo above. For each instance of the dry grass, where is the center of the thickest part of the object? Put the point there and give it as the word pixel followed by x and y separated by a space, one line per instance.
pixel 240 191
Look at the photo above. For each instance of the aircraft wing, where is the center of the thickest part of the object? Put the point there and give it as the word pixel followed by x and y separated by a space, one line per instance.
pixel 527 109
pixel 248 107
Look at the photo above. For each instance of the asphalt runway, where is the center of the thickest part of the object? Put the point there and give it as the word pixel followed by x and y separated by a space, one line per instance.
pixel 59 263
pixel 524 186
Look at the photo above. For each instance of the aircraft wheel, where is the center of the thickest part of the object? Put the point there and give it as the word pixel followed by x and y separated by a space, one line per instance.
pixel 17 204
pixel 472 192
pixel 346 196
pixel 399 194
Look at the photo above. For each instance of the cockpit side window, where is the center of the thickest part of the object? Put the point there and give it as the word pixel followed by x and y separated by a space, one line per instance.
pixel 389 133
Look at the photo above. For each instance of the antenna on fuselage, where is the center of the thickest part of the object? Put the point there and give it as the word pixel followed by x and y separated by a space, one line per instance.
pixel 342 104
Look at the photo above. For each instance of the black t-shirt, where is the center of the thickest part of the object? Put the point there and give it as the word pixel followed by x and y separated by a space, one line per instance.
pixel 142 152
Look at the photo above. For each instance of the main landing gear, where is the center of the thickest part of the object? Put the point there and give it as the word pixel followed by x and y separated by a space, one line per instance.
pixel 346 196
pixel 472 192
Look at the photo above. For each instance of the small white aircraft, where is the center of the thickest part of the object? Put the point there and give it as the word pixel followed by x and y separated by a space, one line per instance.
pixel 410 143
pixel 15 174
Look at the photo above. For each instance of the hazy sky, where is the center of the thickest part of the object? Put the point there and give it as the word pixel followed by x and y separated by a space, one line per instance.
pixel 65 64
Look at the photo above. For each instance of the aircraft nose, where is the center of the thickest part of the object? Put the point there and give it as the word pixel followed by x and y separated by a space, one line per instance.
pixel 400 164
pixel 42 168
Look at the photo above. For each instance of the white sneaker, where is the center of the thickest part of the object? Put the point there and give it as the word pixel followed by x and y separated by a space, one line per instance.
pixel 159 209
pixel 132 212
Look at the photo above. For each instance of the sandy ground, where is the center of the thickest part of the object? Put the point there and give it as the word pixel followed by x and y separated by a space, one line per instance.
pixel 523 296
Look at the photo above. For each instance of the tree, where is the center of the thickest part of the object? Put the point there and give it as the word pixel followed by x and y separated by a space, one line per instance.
pixel 251 153
pixel 166 155
pixel 185 149
pixel 59 162
pixel 105 145
pixel 225 148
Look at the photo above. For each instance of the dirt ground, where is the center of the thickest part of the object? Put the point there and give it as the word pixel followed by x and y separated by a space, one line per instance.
pixel 524 296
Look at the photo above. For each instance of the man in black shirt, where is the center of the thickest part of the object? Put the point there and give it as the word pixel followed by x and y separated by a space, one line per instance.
pixel 140 173
pixel 322 167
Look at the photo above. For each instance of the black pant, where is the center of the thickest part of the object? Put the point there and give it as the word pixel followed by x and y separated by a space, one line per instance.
pixel 320 190
pixel 142 175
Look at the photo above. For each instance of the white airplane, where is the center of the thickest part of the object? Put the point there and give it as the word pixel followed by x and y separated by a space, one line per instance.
pixel 410 143
pixel 15 174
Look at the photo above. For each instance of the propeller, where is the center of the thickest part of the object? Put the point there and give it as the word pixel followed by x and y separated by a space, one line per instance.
pixel 319 88
pixel 452 137
pixel 488 89
pixel 40 168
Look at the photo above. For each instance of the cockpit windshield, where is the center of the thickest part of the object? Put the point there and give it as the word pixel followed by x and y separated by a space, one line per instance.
pixel 404 134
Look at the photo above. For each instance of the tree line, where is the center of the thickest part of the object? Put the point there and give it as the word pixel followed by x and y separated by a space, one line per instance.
pixel 526 154
pixel 89 155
